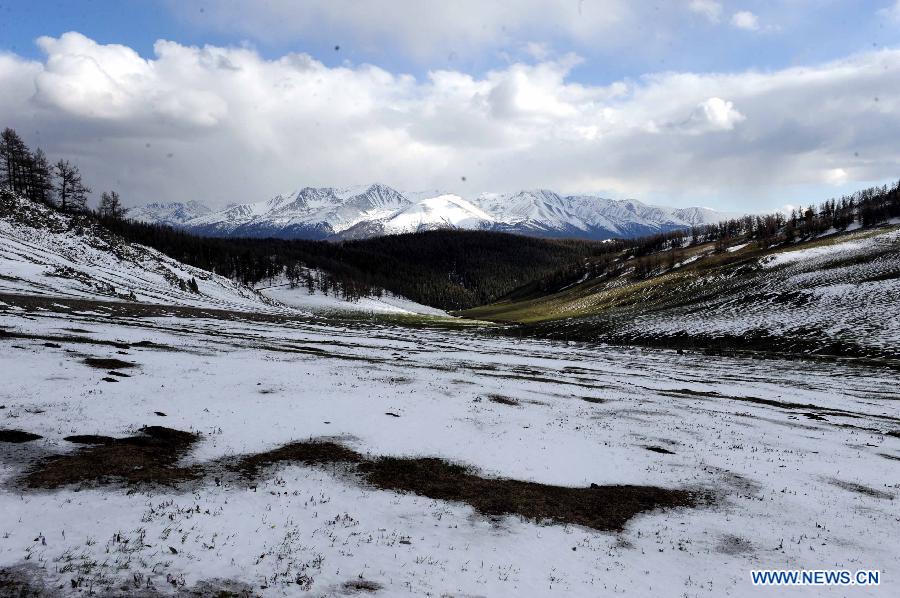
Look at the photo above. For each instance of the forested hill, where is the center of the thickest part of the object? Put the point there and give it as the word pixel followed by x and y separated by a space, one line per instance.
pixel 448 269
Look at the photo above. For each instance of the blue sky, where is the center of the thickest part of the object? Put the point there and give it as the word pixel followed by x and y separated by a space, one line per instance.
pixel 802 32
pixel 680 102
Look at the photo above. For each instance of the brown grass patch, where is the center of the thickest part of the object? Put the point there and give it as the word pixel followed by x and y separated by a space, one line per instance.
pixel 861 489
pixel 148 457
pixel 495 398
pixel 597 507
pixel 314 452
pixel 360 585
pixel 18 436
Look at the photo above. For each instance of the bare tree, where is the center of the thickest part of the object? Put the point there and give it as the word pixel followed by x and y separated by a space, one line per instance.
pixel 15 161
pixel 111 205
pixel 40 178
pixel 70 190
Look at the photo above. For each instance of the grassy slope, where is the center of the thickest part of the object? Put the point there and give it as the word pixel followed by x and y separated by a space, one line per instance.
pixel 673 307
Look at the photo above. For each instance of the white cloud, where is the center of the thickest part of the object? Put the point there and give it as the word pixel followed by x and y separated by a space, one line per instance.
pixel 224 124
pixel 710 9
pixel 891 12
pixel 714 114
pixel 836 176
pixel 746 20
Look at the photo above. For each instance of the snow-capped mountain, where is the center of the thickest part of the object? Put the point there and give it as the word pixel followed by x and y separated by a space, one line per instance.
pixel 170 214
pixel 310 213
pixel 362 212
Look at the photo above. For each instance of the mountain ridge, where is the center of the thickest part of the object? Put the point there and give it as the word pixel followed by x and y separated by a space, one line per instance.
pixel 330 213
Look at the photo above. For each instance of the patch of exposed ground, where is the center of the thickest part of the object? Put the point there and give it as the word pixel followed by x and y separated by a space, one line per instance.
pixel 734 545
pixel 495 398
pixel 152 456
pixel 108 363
pixel 660 450
pixel 149 456
pixel 360 585
pixel 860 489
pixel 598 507
pixel 17 436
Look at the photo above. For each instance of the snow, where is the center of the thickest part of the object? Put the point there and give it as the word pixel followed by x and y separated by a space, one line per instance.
pixel 840 292
pixel 299 297
pixel 441 211
pixel 829 250
pixel 784 481
pixel 798 454
pixel 59 260
pixel 379 209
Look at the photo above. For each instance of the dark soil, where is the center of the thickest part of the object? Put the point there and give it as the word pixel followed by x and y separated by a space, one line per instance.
pixel 90 439
pixel 17 436
pixel 659 449
pixel 108 363
pixel 146 457
pixel 592 399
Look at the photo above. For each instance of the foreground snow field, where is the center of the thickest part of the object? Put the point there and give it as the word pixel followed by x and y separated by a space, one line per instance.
pixel 799 459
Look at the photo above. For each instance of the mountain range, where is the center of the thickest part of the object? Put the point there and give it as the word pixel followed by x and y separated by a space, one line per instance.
pixel 376 210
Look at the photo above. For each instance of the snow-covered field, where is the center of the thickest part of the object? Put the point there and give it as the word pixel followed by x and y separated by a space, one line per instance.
pixel 316 301
pixel 796 456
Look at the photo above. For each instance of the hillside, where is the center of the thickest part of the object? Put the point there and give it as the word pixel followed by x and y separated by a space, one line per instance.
pixel 834 294
pixel 46 252
pixel 445 269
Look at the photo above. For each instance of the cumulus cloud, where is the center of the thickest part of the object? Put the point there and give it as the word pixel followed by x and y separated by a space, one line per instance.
pixel 710 9
pixel 225 125
pixel 714 114
pixel 745 20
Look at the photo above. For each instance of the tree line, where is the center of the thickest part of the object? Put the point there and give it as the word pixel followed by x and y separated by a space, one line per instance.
pixel 30 174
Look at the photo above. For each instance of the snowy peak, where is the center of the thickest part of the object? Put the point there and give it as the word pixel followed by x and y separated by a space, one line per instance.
pixel 170 214
pixel 366 211
pixel 443 211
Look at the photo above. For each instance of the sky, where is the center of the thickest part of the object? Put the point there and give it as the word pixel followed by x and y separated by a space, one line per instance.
pixel 738 105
